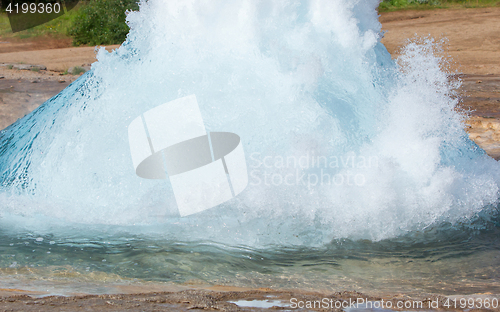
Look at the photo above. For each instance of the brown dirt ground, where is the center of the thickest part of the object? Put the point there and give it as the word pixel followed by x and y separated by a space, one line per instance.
pixel 56 60
pixel 473 35
pixel 223 299
pixel 473 42
pixel 33 44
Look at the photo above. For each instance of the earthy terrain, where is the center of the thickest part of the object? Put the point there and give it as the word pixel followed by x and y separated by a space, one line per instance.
pixel 473 43
pixel 222 300
pixel 471 36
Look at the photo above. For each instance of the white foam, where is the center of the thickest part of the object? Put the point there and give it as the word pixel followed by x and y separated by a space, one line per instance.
pixel 291 78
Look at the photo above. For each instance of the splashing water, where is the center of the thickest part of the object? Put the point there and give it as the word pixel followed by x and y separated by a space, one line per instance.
pixel 340 140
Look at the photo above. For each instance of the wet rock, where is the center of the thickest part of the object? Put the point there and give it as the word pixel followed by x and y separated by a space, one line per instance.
pixel 486 133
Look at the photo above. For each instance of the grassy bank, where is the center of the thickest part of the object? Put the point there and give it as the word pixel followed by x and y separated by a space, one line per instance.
pixel 92 22
pixel 396 5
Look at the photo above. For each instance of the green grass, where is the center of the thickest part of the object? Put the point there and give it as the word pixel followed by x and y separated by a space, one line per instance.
pixel 56 28
pixel 77 70
pixel 92 22
pixel 396 5
pixel 102 22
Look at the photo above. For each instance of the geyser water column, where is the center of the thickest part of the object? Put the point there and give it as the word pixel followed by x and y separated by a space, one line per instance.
pixel 205 170
pixel 290 78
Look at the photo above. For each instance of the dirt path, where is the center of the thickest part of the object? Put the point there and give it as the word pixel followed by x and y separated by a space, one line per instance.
pixel 57 60
pixel 473 35
pixel 10 44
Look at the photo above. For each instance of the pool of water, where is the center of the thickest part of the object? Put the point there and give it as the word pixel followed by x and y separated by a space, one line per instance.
pixel 445 260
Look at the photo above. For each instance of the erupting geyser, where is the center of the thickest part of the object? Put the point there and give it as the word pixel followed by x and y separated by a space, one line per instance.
pixel 340 140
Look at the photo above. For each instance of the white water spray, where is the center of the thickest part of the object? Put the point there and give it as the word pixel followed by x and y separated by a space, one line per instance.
pixel 385 150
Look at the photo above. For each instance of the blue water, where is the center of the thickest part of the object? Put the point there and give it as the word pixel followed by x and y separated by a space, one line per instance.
pixel 409 203
pixel 443 260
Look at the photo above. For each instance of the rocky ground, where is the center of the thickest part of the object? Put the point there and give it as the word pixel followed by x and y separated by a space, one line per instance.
pixel 482 99
pixel 226 300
